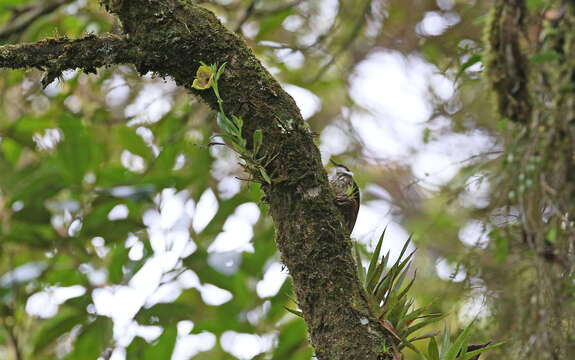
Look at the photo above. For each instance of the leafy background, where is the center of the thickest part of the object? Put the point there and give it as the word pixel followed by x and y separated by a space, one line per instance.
pixel 122 236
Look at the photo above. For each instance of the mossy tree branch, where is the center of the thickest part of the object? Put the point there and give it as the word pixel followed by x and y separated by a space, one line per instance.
pixel 57 55
pixel 170 38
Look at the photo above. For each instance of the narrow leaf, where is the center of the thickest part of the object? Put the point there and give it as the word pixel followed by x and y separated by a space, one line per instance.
pixel 375 258
pixel 458 344
pixel 258 139
pixel 360 270
pixel 473 353
pixel 432 349
pixel 265 175
pixel 295 312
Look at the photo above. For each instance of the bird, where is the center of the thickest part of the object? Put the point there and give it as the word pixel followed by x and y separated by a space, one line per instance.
pixel 346 194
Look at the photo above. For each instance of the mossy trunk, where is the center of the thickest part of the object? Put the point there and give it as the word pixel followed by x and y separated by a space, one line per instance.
pixel 530 64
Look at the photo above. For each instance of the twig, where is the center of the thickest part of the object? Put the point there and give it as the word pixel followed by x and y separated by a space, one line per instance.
pixel 27 15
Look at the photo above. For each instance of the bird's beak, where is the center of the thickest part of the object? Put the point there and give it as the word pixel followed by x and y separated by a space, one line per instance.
pixel 334 163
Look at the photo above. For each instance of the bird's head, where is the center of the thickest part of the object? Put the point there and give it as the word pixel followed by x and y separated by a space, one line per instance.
pixel 341 169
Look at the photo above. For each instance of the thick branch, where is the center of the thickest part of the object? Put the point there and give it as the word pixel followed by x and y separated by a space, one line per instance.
pixel 57 55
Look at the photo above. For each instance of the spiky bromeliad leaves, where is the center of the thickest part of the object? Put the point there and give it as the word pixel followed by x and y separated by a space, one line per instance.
pixel 396 311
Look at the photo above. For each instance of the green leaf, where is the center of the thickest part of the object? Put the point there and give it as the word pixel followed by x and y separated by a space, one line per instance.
pixel 119 258
pixel 239 122
pixel 474 59
pixel 371 272
pixel 420 325
pixel 501 246
pixel 258 139
pixel 166 159
pixel 53 328
pixel 163 346
pixel 133 142
pixel 11 150
pixel 534 4
pixel 456 347
pixel 220 71
pixel 93 339
pixel 265 175
pixel 164 314
pixel 544 57
pixel 273 22
pixel 75 151
pixel 432 349
pixel 227 125
pixel 295 312
pixel 473 353
pixel 359 268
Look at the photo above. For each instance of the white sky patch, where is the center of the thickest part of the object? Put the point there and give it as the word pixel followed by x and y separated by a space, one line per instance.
pixel 435 23
pixel 448 272
pixel 324 19
pixel 188 346
pixel 273 280
pixel 228 187
pixel 292 59
pixel 475 304
pixel 438 161
pixel 73 103
pixel 395 90
pixel 97 277
pixel 118 302
pixel 118 212
pixel 171 207
pixel 373 218
pixel 147 279
pixel 213 295
pixel 205 211
pixel 245 346
pixel 475 233
pixel 167 292
pixel 136 251
pixel 477 191
pixel 235 237
pixel 152 103
pixel 188 279
pixel 308 102
pixel 53 88
pixel 292 22
pixel 99 245
pixel 237 230
pixel 334 141
pixel 446 4
pixel 44 304
pixel 250 212
pixel 75 227
pixel 132 162
pixel 48 140
pixel 149 333
pixel 116 90
pixel 227 262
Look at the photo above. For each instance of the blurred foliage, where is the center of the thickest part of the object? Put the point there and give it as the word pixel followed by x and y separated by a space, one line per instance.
pixel 90 168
